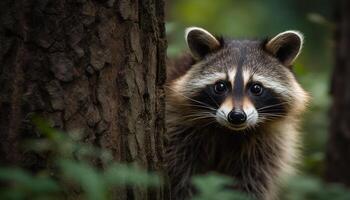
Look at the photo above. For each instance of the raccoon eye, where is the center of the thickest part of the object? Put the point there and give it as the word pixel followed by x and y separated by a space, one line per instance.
pixel 256 89
pixel 220 87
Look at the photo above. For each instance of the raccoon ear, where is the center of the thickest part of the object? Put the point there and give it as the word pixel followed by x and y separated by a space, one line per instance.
pixel 201 42
pixel 286 46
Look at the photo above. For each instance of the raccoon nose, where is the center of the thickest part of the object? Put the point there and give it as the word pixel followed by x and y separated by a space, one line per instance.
pixel 237 117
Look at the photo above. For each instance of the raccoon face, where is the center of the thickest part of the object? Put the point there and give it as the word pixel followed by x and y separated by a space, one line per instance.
pixel 240 84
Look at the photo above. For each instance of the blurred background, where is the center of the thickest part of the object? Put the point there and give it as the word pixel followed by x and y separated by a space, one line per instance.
pixel 259 19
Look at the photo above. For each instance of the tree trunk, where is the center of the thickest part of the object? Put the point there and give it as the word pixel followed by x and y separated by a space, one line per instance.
pixel 97 66
pixel 338 148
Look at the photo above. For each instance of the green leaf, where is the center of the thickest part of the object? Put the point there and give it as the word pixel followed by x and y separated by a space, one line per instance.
pixel 119 174
pixel 20 184
pixel 213 186
pixel 85 176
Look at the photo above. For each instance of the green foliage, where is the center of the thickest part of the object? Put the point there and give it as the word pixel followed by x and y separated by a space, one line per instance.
pixel 306 187
pixel 72 172
pixel 214 186
pixel 23 185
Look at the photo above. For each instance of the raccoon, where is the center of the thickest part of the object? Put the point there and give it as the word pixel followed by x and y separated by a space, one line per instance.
pixel 233 107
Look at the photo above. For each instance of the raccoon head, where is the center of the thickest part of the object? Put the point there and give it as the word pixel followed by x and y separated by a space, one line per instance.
pixel 239 84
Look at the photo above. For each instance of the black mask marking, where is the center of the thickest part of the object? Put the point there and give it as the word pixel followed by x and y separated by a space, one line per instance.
pixel 207 97
pixel 270 103
pixel 238 84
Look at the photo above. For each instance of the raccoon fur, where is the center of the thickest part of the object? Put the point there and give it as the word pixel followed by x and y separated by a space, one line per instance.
pixel 233 107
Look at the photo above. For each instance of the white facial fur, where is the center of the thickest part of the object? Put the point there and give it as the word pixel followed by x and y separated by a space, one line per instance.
pixel 226 108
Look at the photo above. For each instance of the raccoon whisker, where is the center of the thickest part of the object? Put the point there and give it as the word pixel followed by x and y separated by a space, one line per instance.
pixel 203 113
pixel 271 106
pixel 267 113
pixel 272 116
pixel 205 125
pixel 193 119
pixel 221 115
pixel 212 98
pixel 260 120
pixel 267 119
pixel 199 106
pixel 188 97
pixel 250 117
pixel 272 112
pixel 197 116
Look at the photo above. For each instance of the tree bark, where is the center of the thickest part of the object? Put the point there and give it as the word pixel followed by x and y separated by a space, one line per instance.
pixel 97 66
pixel 338 147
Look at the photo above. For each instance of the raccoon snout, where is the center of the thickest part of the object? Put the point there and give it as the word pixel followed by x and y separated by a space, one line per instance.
pixel 237 117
